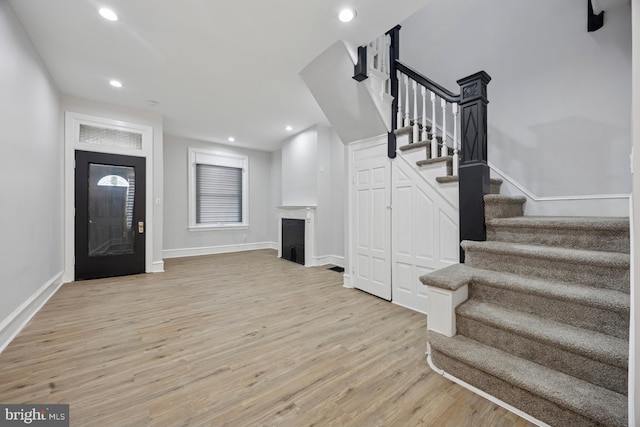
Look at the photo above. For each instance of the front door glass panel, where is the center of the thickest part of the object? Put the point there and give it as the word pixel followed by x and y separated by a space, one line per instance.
pixel 111 205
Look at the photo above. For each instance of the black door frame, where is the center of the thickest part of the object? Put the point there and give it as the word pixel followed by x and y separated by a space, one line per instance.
pixel 87 267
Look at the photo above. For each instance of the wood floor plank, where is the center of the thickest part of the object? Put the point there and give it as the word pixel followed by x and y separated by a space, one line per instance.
pixel 237 339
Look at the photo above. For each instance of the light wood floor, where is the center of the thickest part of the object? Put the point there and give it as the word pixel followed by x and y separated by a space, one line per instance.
pixel 236 339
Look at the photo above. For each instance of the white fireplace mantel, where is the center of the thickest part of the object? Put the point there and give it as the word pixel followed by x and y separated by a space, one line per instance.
pixel 308 213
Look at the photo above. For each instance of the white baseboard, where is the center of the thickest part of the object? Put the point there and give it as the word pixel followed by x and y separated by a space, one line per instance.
pixel 329 259
pixel 213 250
pixel 157 267
pixel 16 321
pixel 479 392
pixel 347 281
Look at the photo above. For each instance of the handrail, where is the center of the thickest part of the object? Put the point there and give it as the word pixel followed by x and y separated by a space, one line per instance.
pixel 428 83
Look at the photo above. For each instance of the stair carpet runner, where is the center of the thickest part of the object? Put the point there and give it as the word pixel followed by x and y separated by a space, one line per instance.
pixel 546 325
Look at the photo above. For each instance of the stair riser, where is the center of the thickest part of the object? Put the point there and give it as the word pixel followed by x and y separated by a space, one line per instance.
pixel 591 318
pixel 448 163
pixel 568 271
pixel 495 188
pixel 502 209
pixel 595 240
pixel 596 372
pixel 524 400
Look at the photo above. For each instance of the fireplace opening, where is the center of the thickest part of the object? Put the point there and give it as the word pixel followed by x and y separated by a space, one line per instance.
pixel 293 240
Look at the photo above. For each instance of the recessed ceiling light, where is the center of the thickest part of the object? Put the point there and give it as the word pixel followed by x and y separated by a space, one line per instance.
pixel 115 83
pixel 108 14
pixel 289 128
pixel 231 139
pixel 347 15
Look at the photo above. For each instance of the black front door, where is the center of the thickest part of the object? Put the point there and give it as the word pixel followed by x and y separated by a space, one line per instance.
pixel 109 215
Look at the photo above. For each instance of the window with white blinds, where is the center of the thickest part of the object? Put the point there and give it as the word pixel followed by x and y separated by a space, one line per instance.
pixel 218 190
pixel 218 194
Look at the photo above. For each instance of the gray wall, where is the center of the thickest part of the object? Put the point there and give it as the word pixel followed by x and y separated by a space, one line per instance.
pixel 31 159
pixel 560 97
pixel 275 198
pixel 176 206
pixel 299 166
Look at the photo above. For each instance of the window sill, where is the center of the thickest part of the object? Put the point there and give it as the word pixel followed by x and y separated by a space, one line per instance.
pixel 210 227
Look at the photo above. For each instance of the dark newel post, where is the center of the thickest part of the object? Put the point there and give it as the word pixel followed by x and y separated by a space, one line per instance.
pixel 360 69
pixel 473 171
pixel 394 55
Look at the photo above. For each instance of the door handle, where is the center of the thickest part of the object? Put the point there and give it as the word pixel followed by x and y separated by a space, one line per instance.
pixel 141 227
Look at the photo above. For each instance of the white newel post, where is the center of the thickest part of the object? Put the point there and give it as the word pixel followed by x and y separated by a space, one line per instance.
pixel 308 214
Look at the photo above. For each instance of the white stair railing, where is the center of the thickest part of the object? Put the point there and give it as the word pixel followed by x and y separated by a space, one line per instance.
pixel 434 121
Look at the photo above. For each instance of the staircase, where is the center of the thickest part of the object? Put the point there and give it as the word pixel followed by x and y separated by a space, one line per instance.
pixel 546 323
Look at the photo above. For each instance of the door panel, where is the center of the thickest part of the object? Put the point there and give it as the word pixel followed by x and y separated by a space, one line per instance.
pixel 372 218
pixel 110 215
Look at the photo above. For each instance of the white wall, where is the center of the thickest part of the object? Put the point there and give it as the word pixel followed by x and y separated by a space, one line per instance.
pixel 116 112
pixel 275 193
pixel 178 240
pixel 324 211
pixel 559 99
pixel 299 163
pixel 31 159
pixel 338 195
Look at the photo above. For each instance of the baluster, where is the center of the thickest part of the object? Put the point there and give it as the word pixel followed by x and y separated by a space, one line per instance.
pixel 443 150
pixel 406 102
pixel 415 112
pixel 456 161
pixel 399 118
pixel 376 62
pixel 387 63
pixel 423 90
pixel 434 141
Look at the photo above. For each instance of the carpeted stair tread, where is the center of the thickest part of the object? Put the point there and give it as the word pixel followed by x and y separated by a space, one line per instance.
pixel 436 160
pixel 495 183
pixel 594 345
pixel 455 178
pixel 599 269
pixel 499 206
pixel 597 403
pixel 457 275
pixel 500 198
pixel 585 223
pixel 415 145
pixel 593 233
pixel 599 258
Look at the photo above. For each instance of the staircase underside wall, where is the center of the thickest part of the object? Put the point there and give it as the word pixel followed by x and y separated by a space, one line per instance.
pixel 348 105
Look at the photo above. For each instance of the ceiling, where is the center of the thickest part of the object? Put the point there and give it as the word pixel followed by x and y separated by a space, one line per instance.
pixel 216 68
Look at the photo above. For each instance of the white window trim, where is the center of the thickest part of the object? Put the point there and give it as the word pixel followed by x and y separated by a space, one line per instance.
pixel 209 157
